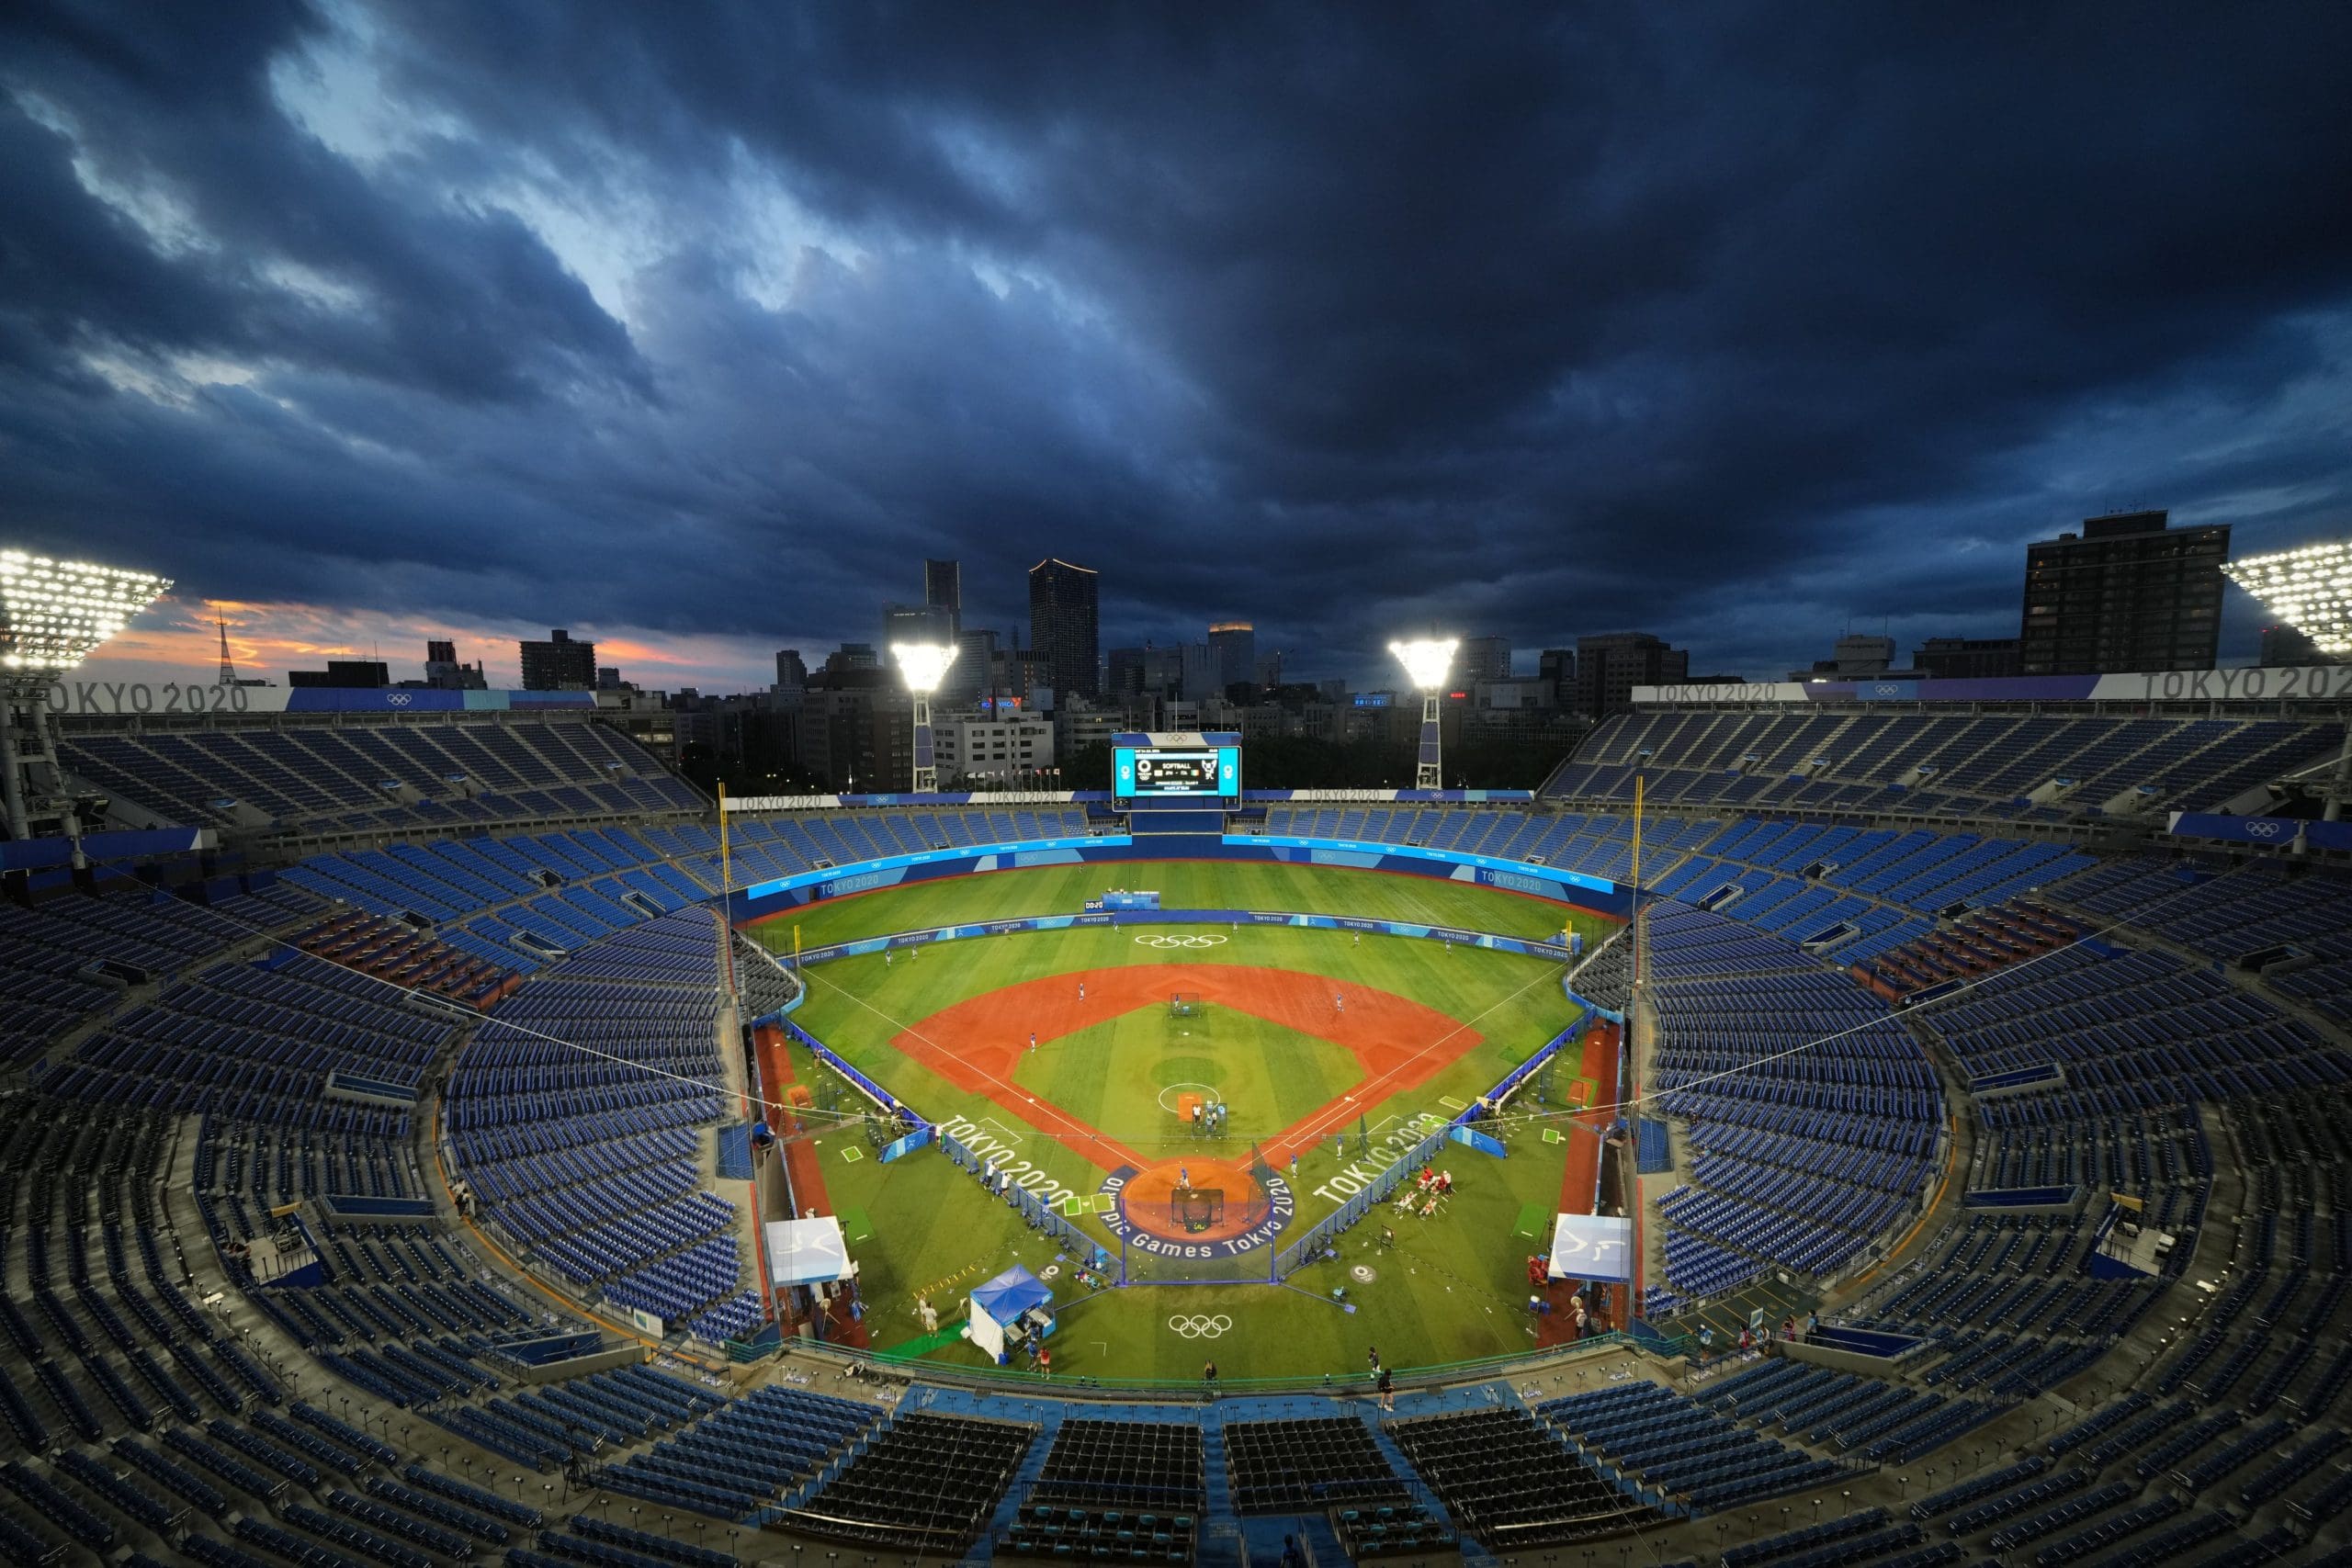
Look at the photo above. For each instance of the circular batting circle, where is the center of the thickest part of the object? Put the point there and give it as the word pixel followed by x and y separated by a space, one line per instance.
pixel 1200 1327
pixel 1209 1095
pixel 1168 943
pixel 1365 1273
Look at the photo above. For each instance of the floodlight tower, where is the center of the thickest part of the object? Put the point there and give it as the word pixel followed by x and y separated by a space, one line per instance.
pixel 1426 662
pixel 2310 590
pixel 923 664
pixel 53 614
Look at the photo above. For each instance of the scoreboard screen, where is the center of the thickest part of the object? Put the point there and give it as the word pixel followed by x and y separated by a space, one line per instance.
pixel 1162 771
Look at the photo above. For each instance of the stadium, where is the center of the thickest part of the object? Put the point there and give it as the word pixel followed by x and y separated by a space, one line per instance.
pixel 1822 1124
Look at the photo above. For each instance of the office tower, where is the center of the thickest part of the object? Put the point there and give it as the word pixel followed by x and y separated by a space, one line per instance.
pixel 443 672
pixel 1484 659
pixel 1062 624
pixel 791 670
pixel 1610 666
pixel 916 622
pixel 559 664
pixel 2128 593
pixel 1557 667
pixel 943 589
pixel 1124 677
pixel 1235 646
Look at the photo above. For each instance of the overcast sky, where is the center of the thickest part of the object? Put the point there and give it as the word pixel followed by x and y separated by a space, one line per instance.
pixel 693 328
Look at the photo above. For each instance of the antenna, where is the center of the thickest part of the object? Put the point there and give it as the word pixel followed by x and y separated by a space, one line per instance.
pixel 228 667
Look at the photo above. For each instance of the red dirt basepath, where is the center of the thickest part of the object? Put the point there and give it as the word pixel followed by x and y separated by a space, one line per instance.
pixel 977 1043
pixel 1584 1132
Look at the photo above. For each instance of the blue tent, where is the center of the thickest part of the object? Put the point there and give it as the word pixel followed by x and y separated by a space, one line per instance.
pixel 1011 1293
pixel 999 1306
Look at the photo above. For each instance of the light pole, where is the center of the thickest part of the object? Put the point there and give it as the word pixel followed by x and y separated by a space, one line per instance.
pixel 921 665
pixel 1426 662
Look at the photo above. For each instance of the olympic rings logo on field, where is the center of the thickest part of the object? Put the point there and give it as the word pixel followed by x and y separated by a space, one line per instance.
pixel 1169 942
pixel 1199 1328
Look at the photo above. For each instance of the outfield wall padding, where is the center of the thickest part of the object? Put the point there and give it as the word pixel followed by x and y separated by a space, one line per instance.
pixel 1523 946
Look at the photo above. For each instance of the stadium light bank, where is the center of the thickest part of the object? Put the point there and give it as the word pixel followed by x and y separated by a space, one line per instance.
pixel 1427 661
pixel 2310 590
pixel 53 614
pixel 923 665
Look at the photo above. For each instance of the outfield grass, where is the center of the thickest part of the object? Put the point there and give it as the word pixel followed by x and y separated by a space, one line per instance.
pixel 1196 885
pixel 1452 1288
pixel 1127 1073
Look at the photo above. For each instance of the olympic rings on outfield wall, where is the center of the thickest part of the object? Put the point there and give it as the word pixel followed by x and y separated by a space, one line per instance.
pixel 1169 942
pixel 1199 1328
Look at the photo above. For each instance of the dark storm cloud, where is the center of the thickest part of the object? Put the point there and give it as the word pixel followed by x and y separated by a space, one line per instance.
pixel 1732 323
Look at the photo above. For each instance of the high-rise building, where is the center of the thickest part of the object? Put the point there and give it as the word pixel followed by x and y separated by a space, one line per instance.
pixel 1966 657
pixel 1559 666
pixel 853 656
pixel 1235 646
pixel 1484 659
pixel 1062 624
pixel 916 623
pixel 1610 666
pixel 943 589
pixel 2130 593
pixel 791 670
pixel 1124 672
pixel 1204 672
pixel 856 729
pixel 968 679
pixel 559 664
pixel 443 672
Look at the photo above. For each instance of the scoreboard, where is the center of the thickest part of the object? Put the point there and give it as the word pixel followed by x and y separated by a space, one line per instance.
pixel 1180 767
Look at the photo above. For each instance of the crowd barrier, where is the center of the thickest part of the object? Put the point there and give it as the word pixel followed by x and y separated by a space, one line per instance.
pixel 770 900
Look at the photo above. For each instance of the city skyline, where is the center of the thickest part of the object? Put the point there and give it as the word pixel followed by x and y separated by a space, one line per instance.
pixel 381 325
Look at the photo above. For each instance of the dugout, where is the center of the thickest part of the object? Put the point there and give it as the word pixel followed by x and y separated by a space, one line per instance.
pixel 1012 1309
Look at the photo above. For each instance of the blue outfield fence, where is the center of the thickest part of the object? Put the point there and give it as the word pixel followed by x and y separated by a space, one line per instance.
pixel 900 941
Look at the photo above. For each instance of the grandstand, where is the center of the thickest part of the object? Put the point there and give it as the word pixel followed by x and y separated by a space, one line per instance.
pixel 2048 1111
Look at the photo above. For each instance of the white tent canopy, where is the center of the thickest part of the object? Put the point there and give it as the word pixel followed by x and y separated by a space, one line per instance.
pixel 806 1252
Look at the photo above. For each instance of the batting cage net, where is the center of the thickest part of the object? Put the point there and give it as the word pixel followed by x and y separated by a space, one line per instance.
pixel 1196 1222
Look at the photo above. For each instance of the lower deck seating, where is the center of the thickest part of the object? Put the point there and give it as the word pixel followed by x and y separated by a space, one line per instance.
pixel 1509 1483
pixel 1287 1466
pixel 926 1483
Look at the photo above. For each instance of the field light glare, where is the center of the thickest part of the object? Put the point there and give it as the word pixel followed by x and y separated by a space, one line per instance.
pixel 1426 662
pixel 2310 589
pixel 923 664
pixel 53 612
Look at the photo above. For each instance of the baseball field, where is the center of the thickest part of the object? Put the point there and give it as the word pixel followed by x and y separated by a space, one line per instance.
pixel 1194 1096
